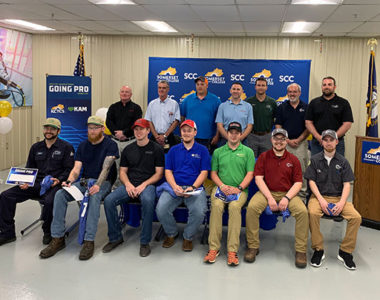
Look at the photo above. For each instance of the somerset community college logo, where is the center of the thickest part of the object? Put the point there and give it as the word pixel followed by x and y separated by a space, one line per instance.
pixel 215 76
pixel 59 109
pixel 169 75
pixel 264 74
pixel 185 95
pixel 371 152
pixel 243 96
pixel 281 100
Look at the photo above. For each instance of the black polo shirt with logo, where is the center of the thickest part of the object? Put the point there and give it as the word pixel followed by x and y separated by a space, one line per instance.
pixel 142 161
pixel 57 161
pixel 329 114
pixel 292 119
pixel 329 178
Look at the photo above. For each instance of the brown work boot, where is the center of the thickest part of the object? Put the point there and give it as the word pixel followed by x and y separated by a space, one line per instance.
pixel 301 260
pixel 87 250
pixel 55 245
pixel 169 241
pixel 250 255
pixel 187 245
pixel 144 250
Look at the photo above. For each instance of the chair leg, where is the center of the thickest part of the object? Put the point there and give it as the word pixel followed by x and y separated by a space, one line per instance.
pixel 23 231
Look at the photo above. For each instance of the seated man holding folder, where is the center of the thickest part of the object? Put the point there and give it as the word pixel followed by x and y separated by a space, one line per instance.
pixel 231 170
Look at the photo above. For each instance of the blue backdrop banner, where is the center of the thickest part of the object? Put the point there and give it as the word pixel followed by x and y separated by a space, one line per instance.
pixel 68 98
pixel 221 73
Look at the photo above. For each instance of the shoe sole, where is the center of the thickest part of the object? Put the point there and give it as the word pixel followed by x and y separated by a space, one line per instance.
pixel 212 261
pixel 114 246
pixel 232 264
pixel 9 241
pixel 347 267
pixel 59 249
pixel 320 264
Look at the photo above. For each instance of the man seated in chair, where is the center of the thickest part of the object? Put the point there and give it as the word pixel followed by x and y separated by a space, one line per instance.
pixel 95 157
pixel 278 176
pixel 186 168
pixel 329 175
pixel 141 166
pixel 232 171
pixel 52 156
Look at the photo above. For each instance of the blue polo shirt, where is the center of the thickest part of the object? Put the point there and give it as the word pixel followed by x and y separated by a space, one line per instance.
pixel 292 120
pixel 186 165
pixel 202 112
pixel 229 112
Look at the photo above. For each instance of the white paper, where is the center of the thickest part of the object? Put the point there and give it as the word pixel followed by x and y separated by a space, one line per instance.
pixel 22 178
pixel 194 193
pixel 75 192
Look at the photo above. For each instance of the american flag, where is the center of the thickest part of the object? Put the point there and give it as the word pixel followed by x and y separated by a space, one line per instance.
pixel 79 67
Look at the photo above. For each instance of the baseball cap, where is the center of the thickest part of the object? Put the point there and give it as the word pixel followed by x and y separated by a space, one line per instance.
pixel 95 120
pixel 190 123
pixel 280 131
pixel 201 78
pixel 329 132
pixel 234 125
pixel 53 122
pixel 141 123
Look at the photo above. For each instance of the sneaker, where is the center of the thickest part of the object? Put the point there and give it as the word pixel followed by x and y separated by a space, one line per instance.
pixel 46 239
pixel 6 240
pixel 347 260
pixel 301 261
pixel 250 255
pixel 187 245
pixel 55 245
pixel 169 241
pixel 317 258
pixel 87 250
pixel 232 259
pixel 211 256
pixel 111 245
pixel 144 250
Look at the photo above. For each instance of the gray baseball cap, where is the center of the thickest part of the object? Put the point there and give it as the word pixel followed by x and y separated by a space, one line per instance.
pixel 330 132
pixel 280 131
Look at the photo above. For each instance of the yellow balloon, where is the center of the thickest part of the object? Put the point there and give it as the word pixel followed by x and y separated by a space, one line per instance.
pixel 5 108
pixel 106 130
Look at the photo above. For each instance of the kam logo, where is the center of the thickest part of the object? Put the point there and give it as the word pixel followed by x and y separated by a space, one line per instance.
pixel 169 75
pixel 371 152
pixel 185 95
pixel 59 109
pixel 264 74
pixel 215 76
pixel 77 108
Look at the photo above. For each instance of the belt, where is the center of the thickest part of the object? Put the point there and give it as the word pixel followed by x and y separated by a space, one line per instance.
pixel 261 132
pixel 127 140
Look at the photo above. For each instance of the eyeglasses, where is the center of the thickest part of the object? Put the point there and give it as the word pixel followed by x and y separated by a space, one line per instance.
pixel 278 139
pixel 94 128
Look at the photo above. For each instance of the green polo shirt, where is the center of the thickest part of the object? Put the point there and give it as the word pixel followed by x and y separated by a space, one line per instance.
pixel 263 113
pixel 233 165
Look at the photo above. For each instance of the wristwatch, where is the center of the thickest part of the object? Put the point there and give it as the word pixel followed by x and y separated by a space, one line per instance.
pixel 240 188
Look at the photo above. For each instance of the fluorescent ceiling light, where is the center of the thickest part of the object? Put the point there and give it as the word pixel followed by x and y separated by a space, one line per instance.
pixel 113 2
pixel 300 27
pixel 155 26
pixel 26 24
pixel 317 2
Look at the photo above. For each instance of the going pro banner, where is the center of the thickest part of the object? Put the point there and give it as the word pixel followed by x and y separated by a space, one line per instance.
pixel 68 98
pixel 221 73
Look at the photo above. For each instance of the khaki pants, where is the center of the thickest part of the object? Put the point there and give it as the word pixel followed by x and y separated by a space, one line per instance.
pixel 349 213
pixel 303 156
pixel 297 208
pixel 234 222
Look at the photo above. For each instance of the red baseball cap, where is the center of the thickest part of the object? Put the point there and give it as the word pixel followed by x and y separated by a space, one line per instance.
pixel 190 123
pixel 142 123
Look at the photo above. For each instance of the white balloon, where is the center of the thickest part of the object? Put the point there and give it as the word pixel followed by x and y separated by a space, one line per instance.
pixel 102 112
pixel 6 125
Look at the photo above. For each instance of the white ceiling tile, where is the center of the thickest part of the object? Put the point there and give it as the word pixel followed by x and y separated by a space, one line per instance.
pixel 262 26
pixel 262 34
pixel 191 27
pixel 360 34
pixel 251 2
pixel 337 27
pixel 47 11
pixel 217 13
pixel 309 13
pixel 122 26
pixel 89 11
pixel 225 26
pixel 330 34
pixel 60 1
pixel 211 2
pixel 173 12
pixel 230 34
pixel 59 25
pixel 354 13
pixel 361 2
pixel 369 27
pixel 165 2
pixel 261 12
pixel 16 12
pixel 132 12
pixel 377 18
pixel 89 25
pixel 294 34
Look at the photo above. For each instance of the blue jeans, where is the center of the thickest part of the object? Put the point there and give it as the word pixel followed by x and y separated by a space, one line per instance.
pixel 93 211
pixel 120 196
pixel 197 206
pixel 315 147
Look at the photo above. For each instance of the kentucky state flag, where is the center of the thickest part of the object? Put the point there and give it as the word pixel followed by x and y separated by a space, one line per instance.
pixel 371 103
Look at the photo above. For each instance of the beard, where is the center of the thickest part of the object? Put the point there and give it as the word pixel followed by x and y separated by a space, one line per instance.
pixel 327 93
pixel 50 136
pixel 94 138
pixel 329 150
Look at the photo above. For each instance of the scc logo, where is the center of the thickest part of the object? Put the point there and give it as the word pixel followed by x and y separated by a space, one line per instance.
pixel 190 75
pixel 286 78
pixel 237 77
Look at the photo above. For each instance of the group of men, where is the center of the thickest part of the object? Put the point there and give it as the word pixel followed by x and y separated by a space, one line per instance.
pixel 237 133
